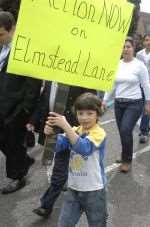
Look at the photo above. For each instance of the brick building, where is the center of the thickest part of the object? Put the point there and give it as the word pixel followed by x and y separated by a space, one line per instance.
pixel 144 23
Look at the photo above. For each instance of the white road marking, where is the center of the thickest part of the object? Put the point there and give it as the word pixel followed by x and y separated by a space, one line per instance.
pixel 114 166
pixel 107 122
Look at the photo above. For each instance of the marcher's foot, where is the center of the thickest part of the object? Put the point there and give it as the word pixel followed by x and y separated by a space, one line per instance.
pixel 42 212
pixel 13 186
pixel 125 167
pixel 143 138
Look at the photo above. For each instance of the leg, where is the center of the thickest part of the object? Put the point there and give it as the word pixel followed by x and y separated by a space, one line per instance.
pixel 144 128
pixel 130 117
pixel 2 137
pixel 71 210
pixel 58 179
pixel 95 208
pixel 119 111
pixel 17 160
pixel 144 125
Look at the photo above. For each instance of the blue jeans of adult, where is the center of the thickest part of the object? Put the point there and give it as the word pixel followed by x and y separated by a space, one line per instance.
pixel 127 112
pixel 145 120
pixel 93 203
pixel 144 125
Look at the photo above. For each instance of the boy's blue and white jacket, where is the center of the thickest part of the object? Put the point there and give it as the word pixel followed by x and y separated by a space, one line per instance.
pixel 86 170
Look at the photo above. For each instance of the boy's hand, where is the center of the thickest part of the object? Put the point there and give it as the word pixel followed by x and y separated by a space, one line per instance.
pixel 56 119
pixel 48 130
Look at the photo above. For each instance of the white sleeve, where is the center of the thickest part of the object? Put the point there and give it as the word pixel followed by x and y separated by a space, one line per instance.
pixel 139 56
pixel 109 95
pixel 144 81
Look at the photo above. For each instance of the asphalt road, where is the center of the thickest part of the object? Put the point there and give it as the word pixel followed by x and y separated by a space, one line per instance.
pixel 128 194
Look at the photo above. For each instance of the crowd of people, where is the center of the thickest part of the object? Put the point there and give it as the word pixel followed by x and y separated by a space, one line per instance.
pixel 28 104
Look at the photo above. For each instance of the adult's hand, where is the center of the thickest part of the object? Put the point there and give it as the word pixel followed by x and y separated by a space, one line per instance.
pixel 30 127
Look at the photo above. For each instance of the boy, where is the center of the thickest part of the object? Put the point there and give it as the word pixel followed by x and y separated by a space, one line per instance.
pixel 61 160
pixel 86 181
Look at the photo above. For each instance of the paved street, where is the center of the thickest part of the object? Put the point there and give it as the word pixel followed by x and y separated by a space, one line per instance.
pixel 128 194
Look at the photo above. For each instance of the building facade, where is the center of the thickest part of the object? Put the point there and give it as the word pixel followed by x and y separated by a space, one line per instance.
pixel 144 23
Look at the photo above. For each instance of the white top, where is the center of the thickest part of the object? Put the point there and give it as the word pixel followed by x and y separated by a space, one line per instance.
pixel 145 58
pixel 130 76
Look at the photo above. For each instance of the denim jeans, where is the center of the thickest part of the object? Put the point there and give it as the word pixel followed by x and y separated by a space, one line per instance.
pixel 145 120
pixel 58 179
pixel 127 114
pixel 144 125
pixel 93 203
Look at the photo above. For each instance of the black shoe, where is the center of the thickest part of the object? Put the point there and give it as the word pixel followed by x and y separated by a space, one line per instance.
pixel 13 186
pixel 42 212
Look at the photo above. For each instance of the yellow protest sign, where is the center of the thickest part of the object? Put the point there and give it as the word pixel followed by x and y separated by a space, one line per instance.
pixel 75 42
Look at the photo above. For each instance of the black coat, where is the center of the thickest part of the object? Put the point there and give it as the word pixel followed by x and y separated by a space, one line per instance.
pixel 17 93
pixel 41 113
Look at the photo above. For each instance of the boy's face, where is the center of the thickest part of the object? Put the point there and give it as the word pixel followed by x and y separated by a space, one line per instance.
pixel 87 118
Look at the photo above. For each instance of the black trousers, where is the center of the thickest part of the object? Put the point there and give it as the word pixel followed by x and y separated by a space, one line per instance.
pixel 58 179
pixel 12 136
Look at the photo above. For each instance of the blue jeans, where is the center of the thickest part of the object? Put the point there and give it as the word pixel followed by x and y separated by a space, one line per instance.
pixel 58 179
pixel 145 120
pixel 93 203
pixel 127 114
pixel 144 125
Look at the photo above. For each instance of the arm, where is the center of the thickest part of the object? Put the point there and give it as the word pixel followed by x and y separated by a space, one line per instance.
pixel 56 119
pixel 62 143
pixel 139 56
pixel 83 146
pixel 145 83
pixel 108 96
